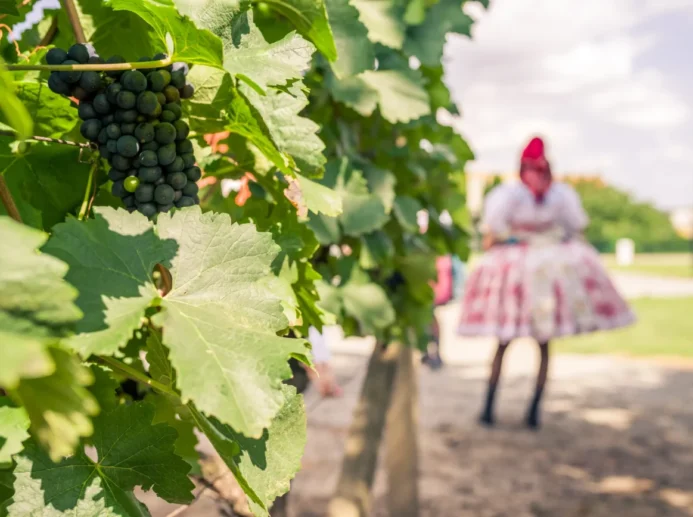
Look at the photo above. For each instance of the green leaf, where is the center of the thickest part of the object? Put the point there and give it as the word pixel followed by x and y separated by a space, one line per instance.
pixel 9 7
pixel 384 20
pixel 14 426
pixel 53 114
pixel 293 134
pixel 264 466
pixel 36 306
pixel 59 405
pixel 111 259
pixel 318 198
pixel 355 52
pixel 221 318
pixel 369 305
pixel 131 452
pixel 405 210
pixel 310 18
pixel 14 112
pixel 47 181
pixel 103 388
pixel 190 44
pixel 326 229
pixel 399 93
pixel 426 40
pixel 363 212
pixel 415 13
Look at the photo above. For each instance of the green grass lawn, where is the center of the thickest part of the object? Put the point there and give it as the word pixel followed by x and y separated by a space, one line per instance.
pixel 657 264
pixel 664 328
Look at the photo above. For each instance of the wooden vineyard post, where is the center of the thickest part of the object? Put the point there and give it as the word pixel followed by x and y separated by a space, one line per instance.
pixel 401 440
pixel 353 496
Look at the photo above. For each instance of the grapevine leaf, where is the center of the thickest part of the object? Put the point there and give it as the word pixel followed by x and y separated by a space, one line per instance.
pixel 326 229
pixel 264 466
pixel 9 7
pixel 384 20
pixel 221 318
pixel 104 388
pixel 377 249
pixel 415 13
pixel 363 211
pixel 36 306
pixel 14 426
pixel 426 40
pixel 53 114
pixel 293 134
pixel 15 113
pixel 399 93
pixel 111 259
pixel 405 210
pixel 190 44
pixel 6 490
pixel 382 183
pixel 59 405
pixel 369 305
pixel 46 180
pixel 318 198
pixel 310 18
pixel 131 452
pixel 355 52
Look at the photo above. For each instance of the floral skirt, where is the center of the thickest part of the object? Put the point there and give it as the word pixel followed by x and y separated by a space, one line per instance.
pixel 541 291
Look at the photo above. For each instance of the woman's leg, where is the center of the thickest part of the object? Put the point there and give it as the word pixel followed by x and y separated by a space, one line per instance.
pixel 432 356
pixel 487 417
pixel 533 413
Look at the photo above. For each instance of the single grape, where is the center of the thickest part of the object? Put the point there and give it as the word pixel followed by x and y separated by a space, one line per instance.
pixel 187 91
pixel 165 208
pixel 112 146
pixel 178 78
pixel 144 193
pixel 129 201
pixel 193 173
pixel 185 201
pixel 182 130
pixel 188 160
pixel 163 194
pixel 157 112
pixel 78 53
pixel 90 129
pixel 191 189
pixel 165 133
pixel 118 189
pixel 177 180
pixel 126 100
pixel 176 166
pixel 150 146
pixel 168 116
pixel 57 85
pixel 95 60
pixel 70 76
pixel 113 131
pixel 147 209
pixel 127 115
pixel 101 104
pixel 134 80
pixel 85 111
pixel 178 193
pixel 91 81
pixel 56 56
pixel 115 175
pixel 103 136
pixel 149 174
pixel 166 154
pixel 158 80
pixel 131 183
pixel 80 93
pixel 147 103
pixel 171 93
pixel 184 147
pixel 120 162
pixel 161 98
pixel 128 146
pixel 144 59
pixel 112 91
pixel 147 159
pixel 128 128
pixel 107 119
pixel 114 60
pixel 104 152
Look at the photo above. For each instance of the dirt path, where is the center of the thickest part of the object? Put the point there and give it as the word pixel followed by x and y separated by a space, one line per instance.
pixel 616 440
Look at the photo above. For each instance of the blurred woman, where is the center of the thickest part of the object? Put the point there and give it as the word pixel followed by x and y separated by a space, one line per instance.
pixel 538 277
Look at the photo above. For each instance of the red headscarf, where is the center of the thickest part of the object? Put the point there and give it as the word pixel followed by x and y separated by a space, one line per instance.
pixel 535 171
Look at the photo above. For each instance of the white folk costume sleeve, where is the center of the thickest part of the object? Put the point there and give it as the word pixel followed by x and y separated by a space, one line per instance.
pixel 318 342
pixel 495 218
pixel 573 216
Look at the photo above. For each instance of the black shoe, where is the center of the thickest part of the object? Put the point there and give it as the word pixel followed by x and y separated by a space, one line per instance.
pixel 533 421
pixel 433 361
pixel 486 419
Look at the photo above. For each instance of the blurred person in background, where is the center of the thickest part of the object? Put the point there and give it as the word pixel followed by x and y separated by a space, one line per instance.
pixel 538 277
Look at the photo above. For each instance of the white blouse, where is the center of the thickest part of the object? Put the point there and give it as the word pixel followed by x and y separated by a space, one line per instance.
pixel 510 209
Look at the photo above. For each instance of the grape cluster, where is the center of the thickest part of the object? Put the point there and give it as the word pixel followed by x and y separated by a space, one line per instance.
pixel 134 117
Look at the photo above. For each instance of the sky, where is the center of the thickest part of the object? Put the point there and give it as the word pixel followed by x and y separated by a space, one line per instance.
pixel 607 83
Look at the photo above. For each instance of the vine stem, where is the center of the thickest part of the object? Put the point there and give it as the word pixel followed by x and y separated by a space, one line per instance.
pixel 103 67
pixel 87 192
pixel 50 140
pixel 73 16
pixel 8 201
pixel 133 374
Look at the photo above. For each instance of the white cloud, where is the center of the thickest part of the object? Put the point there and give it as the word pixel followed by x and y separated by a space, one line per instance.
pixel 576 75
